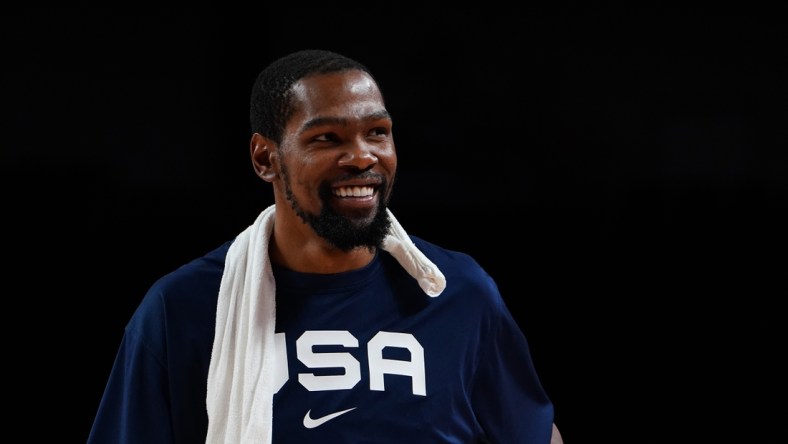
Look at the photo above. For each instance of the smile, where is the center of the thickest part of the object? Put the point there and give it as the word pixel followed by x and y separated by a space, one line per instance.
pixel 354 191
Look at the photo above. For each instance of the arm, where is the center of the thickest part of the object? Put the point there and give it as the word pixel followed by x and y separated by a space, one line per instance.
pixel 508 398
pixel 134 407
pixel 556 436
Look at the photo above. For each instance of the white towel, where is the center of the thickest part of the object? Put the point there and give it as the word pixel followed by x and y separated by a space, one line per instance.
pixel 240 382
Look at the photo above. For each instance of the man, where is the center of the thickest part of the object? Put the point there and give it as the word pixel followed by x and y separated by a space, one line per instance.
pixel 324 321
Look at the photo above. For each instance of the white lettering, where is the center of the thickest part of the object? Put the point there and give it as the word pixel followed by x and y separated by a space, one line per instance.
pixel 379 366
pixel 312 382
pixel 280 371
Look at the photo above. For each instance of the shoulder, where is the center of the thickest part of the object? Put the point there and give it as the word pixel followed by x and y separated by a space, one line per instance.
pixel 450 261
pixel 195 276
pixel 446 256
pixel 463 273
pixel 471 297
pixel 191 289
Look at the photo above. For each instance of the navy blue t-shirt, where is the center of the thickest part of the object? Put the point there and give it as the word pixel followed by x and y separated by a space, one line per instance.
pixel 363 356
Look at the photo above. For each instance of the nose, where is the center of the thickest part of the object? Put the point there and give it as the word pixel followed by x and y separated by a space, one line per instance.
pixel 359 155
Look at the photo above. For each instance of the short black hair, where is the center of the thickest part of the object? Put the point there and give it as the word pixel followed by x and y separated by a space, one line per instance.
pixel 271 99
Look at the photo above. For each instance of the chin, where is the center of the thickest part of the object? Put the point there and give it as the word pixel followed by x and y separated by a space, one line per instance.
pixel 360 216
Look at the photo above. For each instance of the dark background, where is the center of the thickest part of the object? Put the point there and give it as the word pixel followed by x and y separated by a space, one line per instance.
pixel 622 174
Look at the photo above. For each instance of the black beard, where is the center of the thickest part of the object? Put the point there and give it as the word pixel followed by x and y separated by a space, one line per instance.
pixel 342 232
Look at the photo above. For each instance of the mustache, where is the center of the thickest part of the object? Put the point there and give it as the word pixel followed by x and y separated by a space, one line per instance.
pixel 363 175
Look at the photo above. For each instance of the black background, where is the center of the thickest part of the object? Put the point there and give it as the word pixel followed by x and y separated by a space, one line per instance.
pixel 622 174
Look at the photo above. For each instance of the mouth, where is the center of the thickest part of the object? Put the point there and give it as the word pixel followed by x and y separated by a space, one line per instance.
pixel 355 198
pixel 354 191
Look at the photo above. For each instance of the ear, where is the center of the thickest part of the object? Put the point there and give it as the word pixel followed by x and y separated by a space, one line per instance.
pixel 265 157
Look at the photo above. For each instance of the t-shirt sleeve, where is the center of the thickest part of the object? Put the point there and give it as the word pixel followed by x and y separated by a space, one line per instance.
pixel 508 398
pixel 134 408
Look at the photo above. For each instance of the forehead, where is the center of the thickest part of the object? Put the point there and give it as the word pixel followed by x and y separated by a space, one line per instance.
pixel 344 94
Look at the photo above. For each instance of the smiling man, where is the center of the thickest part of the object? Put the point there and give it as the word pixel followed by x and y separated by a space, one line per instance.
pixel 324 321
pixel 334 162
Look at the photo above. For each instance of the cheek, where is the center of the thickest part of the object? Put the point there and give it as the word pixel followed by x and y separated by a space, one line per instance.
pixel 306 172
pixel 389 161
pixel 304 177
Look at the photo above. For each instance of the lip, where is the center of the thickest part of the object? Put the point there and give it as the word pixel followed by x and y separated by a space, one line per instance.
pixel 356 195
pixel 354 202
pixel 351 188
pixel 356 183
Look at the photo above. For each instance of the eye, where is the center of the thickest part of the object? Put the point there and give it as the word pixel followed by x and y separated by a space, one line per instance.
pixel 326 137
pixel 379 131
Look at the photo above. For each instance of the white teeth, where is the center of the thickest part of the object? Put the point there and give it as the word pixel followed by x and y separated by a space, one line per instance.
pixel 353 191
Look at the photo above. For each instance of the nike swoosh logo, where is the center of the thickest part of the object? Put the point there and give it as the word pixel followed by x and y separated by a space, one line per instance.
pixel 312 423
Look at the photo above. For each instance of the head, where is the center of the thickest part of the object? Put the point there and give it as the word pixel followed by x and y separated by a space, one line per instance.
pixel 323 137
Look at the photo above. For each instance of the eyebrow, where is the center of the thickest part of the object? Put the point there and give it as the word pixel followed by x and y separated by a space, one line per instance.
pixel 319 121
